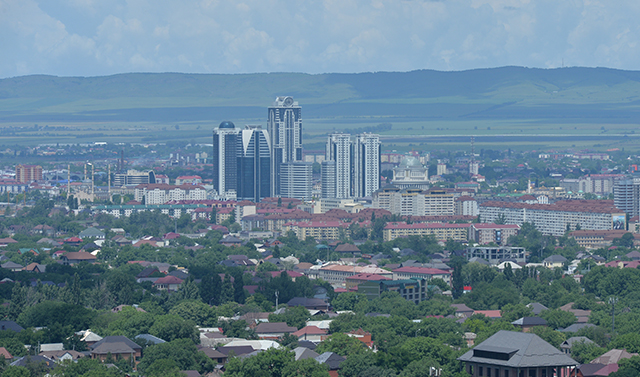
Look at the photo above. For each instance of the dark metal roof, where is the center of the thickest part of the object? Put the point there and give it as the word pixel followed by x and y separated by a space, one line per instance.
pixel 530 351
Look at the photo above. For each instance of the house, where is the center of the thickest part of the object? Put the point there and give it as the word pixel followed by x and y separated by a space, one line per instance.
pixel 273 330
pixel 516 354
pixel 332 361
pixel 215 355
pixel 4 353
pixel 537 308
pixel 150 339
pixel 308 303
pixel 361 335
pixel 92 233
pixel 5 241
pixel 302 353
pixel 59 356
pixel 168 283
pixel 12 266
pixel 26 250
pixel 35 267
pixel 347 248
pixel 44 229
pixel 554 261
pixel 311 333
pixel 88 337
pixel 526 323
pixel 117 346
pixel 462 310
pixel 582 316
pixel 30 359
pixel 567 344
pixel 75 257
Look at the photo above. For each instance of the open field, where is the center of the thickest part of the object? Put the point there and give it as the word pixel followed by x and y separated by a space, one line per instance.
pixel 503 107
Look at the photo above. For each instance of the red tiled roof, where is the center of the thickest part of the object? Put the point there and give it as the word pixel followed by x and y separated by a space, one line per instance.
pixel 368 277
pixel 310 330
pixel 168 280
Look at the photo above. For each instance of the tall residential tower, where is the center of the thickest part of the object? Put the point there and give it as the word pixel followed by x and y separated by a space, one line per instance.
pixel 285 130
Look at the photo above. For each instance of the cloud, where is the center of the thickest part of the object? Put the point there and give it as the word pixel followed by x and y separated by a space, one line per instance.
pixel 98 37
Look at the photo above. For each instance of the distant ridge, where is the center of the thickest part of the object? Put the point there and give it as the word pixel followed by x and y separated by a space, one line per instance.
pixel 495 93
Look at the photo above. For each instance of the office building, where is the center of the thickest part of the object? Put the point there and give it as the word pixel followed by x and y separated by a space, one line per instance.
pixel 366 165
pixel 225 158
pixel 28 173
pixel 254 163
pixel 295 180
pixel 134 178
pixel 285 131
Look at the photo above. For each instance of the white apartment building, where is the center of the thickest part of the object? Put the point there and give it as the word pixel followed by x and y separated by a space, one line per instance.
pixel 552 219
pixel 161 193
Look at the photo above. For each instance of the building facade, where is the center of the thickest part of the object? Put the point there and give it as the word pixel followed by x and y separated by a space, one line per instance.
pixel 554 219
pixel 295 180
pixel 328 172
pixel 339 150
pixel 134 178
pixel 225 160
pixel 626 196
pixel 411 174
pixel 496 255
pixel 366 164
pixel 254 164
pixel 28 173
pixel 285 131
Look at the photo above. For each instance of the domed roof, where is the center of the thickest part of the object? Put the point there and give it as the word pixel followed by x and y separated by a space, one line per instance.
pixel 227 124
pixel 410 162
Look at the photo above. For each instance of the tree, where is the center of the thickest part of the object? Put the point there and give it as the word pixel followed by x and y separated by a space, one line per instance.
pixel 347 300
pixel 342 344
pixel 182 351
pixel 171 327
pixel 210 288
pixel 269 363
pixel 457 263
pixel 196 311
pixel 227 290
pixel 296 316
pixel 15 371
pixel 558 318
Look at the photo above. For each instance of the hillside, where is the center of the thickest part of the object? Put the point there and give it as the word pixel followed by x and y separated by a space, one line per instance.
pixel 508 98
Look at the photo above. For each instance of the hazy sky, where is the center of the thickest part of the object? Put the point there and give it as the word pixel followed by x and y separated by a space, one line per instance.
pixel 102 37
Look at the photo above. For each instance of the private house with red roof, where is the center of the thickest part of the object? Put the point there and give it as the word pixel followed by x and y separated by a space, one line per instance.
pixel 361 335
pixel 168 283
pixel 426 273
pixel 73 241
pixel 188 180
pixel 311 333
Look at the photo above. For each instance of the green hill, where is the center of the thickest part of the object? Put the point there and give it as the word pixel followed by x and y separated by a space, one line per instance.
pixel 487 101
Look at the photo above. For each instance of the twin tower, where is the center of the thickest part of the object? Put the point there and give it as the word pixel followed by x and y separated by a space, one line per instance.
pixel 254 163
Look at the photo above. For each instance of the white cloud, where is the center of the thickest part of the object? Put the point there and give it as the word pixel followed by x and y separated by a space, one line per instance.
pixel 97 37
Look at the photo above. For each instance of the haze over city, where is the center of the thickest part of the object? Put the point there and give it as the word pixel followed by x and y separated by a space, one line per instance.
pixel 104 37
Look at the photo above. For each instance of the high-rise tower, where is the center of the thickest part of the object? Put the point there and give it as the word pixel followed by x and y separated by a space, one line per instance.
pixel 339 149
pixel 225 159
pixel 366 164
pixel 285 131
pixel 254 163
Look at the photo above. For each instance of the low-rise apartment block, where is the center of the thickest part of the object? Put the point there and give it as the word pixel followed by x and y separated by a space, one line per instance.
pixel 456 232
pixel 161 193
pixel 492 233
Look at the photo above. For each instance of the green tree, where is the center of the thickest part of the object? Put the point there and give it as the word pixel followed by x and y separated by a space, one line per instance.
pixel 200 313
pixel 558 318
pixel 342 344
pixel 15 371
pixel 182 351
pixel 296 316
pixel 172 327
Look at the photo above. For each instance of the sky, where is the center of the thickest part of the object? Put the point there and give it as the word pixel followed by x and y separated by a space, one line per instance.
pixel 104 37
